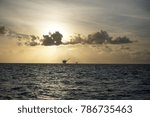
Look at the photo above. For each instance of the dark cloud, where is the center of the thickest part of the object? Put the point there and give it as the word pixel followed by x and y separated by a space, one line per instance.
pixel 5 31
pixel 95 38
pixel 2 30
pixel 52 39
pixel 32 41
pixel 47 40
pixel 56 38
pixel 99 38
pixel 121 40
pixel 28 40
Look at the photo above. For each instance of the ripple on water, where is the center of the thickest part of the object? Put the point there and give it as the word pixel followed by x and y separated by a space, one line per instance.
pixel 51 81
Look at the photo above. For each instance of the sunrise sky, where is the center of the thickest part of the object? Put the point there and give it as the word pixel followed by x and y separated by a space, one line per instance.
pixel 130 18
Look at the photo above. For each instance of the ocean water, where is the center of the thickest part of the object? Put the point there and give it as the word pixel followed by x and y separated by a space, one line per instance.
pixel 74 81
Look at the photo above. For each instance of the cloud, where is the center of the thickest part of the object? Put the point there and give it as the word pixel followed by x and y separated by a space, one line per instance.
pixel 98 38
pixel 2 30
pixel 52 39
pixel 6 32
pixel 121 40
pixel 22 39
pixel 28 40
pixel 32 40
pixel 101 37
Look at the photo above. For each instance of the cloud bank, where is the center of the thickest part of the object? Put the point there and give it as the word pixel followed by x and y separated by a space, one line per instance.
pixel 101 37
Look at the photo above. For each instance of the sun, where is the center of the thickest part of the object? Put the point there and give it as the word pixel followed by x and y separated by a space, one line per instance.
pixel 55 26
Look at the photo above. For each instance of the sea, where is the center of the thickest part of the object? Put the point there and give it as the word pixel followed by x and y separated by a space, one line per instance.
pixel 74 81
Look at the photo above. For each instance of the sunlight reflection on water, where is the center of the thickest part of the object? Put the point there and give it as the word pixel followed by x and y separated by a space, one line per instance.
pixel 57 81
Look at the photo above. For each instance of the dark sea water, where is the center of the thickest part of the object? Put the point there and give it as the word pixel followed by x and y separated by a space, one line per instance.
pixel 85 81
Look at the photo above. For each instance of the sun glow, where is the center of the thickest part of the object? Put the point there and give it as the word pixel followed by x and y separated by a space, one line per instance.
pixel 53 27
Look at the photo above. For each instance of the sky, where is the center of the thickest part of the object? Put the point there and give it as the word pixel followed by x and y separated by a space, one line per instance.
pixel 130 18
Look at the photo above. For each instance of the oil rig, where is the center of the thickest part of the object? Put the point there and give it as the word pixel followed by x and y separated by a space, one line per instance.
pixel 65 61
